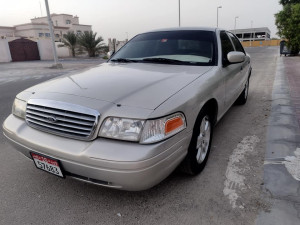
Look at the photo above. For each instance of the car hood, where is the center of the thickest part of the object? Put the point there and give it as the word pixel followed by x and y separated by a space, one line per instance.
pixel 142 85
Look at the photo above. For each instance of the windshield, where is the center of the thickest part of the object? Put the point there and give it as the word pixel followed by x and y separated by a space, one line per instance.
pixel 172 47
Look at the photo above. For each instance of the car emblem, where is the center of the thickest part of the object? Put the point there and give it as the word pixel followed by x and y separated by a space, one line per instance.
pixel 51 119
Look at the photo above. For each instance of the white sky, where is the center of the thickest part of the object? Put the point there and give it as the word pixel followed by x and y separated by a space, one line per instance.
pixel 116 18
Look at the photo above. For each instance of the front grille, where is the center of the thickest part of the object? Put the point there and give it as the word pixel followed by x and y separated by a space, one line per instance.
pixel 62 119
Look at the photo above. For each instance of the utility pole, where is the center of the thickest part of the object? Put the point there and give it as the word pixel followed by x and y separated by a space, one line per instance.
pixel 179 11
pixel 251 33
pixel 219 7
pixel 41 9
pixel 56 64
pixel 235 24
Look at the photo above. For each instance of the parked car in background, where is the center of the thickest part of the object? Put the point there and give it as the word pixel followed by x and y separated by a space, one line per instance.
pixel 128 123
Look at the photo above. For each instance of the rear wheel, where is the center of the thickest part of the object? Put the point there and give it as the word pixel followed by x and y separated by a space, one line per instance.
pixel 200 144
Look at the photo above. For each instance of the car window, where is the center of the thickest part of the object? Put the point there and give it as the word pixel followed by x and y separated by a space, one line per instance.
pixel 189 47
pixel 226 46
pixel 237 43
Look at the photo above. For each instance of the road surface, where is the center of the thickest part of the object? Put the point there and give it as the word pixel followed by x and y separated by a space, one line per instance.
pixel 228 191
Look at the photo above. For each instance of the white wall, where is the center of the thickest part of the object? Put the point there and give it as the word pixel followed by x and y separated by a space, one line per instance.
pixel 46 52
pixel 5 55
pixel 45 49
pixel 7 31
pixel 62 51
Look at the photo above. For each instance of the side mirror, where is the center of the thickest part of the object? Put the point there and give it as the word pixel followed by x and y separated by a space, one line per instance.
pixel 236 57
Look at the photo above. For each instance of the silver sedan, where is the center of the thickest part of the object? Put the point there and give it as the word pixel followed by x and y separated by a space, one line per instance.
pixel 128 123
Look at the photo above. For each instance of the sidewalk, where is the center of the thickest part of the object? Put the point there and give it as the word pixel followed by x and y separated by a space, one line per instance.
pixel 292 72
pixel 282 159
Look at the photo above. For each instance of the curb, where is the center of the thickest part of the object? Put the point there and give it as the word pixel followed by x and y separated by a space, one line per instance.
pixel 281 186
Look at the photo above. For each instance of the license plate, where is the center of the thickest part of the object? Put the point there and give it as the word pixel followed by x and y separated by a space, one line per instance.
pixel 47 164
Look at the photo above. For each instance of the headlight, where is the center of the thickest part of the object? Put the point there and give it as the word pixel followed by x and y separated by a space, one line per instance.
pixel 121 128
pixel 147 132
pixel 160 129
pixel 19 108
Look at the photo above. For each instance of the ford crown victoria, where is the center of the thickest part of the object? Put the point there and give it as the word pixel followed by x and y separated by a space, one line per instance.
pixel 128 123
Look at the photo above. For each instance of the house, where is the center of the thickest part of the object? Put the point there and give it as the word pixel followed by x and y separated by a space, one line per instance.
pixel 32 41
pixel 39 29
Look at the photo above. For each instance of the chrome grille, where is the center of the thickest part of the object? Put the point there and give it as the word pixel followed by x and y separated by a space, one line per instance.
pixel 62 119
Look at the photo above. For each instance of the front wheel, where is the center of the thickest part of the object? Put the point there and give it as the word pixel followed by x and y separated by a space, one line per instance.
pixel 200 144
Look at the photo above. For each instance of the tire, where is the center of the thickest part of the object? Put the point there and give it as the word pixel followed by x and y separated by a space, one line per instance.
pixel 200 144
pixel 242 99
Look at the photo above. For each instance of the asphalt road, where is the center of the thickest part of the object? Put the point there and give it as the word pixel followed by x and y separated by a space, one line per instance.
pixel 227 192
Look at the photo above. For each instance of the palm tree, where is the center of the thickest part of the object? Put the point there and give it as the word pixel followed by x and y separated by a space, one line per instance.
pixel 90 43
pixel 70 40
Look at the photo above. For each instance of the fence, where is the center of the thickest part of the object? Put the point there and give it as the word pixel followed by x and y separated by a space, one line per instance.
pixel 261 43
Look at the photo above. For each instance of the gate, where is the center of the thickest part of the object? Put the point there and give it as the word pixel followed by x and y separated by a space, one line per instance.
pixel 23 50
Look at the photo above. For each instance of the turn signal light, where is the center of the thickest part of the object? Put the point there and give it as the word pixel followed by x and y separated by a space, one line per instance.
pixel 173 125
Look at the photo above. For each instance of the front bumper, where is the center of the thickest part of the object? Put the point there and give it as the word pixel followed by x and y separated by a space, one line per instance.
pixel 111 163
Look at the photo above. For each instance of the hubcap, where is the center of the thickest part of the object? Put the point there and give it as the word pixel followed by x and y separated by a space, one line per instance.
pixel 203 139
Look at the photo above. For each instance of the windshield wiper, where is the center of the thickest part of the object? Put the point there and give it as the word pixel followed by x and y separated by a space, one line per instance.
pixel 164 60
pixel 123 60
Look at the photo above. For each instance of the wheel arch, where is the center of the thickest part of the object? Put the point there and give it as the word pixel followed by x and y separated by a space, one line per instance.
pixel 212 107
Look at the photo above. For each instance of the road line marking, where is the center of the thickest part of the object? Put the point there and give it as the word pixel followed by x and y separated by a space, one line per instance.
pixel 235 180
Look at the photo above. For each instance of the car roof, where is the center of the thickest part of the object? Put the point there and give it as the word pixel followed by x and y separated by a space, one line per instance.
pixel 184 29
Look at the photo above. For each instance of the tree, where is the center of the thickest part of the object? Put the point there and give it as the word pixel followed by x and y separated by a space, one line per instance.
pixel 288 23
pixel 70 40
pixel 285 2
pixel 90 43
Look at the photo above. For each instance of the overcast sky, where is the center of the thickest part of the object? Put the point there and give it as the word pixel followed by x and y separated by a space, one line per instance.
pixel 116 18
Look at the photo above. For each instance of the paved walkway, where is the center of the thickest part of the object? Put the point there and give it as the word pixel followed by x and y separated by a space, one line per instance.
pixel 292 72
pixel 282 161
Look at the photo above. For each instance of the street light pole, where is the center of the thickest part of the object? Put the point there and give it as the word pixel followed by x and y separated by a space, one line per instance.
pixel 179 11
pixel 56 64
pixel 219 7
pixel 235 24
pixel 251 33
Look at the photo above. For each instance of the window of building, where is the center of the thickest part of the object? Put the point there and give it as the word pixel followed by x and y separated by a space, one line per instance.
pixel 47 34
pixel 79 32
pixel 247 35
pixel 240 35
pixel 57 35
pixel 68 21
pixel 41 34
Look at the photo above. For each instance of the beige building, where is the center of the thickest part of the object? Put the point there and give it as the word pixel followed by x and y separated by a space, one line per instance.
pixel 38 28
